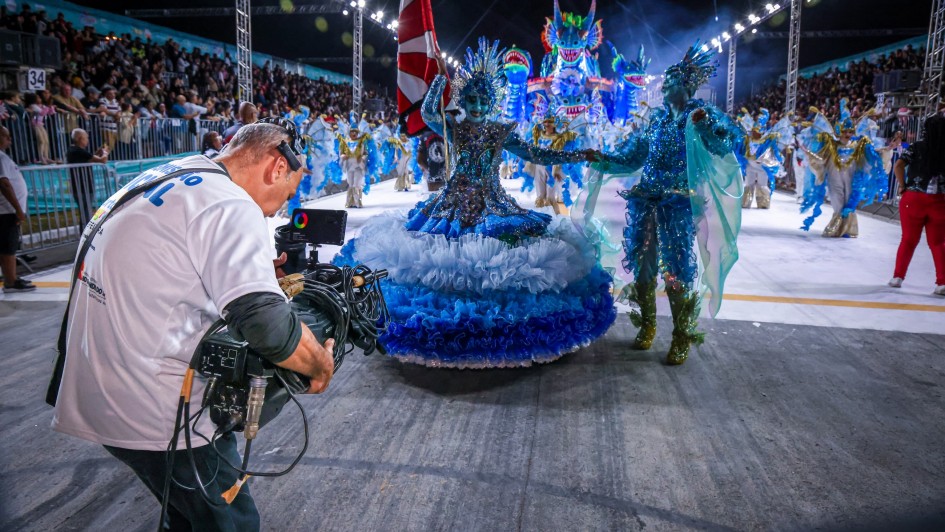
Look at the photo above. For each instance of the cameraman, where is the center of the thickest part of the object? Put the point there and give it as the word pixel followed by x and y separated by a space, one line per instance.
pixel 162 269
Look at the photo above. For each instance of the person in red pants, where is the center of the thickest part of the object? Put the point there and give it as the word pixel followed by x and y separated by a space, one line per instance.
pixel 923 201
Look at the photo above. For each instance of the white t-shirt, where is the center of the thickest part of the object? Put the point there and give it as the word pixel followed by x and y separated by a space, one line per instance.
pixel 11 171
pixel 158 275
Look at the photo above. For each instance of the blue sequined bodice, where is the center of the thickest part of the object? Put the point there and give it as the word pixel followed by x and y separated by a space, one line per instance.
pixel 665 166
pixel 473 200
pixel 479 152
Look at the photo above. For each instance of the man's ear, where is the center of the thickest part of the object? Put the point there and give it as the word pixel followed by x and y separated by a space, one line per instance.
pixel 276 170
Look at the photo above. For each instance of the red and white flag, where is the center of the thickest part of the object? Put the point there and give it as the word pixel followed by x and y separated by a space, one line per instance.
pixel 416 62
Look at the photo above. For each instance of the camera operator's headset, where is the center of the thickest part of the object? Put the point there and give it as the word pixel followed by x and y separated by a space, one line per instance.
pixel 291 150
pixel 294 147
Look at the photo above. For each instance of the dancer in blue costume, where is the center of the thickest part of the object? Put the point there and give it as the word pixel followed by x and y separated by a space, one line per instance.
pixel 844 163
pixel 475 280
pixel 687 199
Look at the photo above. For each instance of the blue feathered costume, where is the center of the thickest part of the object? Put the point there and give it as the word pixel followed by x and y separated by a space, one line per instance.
pixel 475 280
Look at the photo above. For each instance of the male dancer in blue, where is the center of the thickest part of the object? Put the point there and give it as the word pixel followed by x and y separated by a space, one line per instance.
pixel 688 197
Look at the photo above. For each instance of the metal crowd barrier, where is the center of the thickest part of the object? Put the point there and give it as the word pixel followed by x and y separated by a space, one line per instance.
pixel 62 198
pixel 127 139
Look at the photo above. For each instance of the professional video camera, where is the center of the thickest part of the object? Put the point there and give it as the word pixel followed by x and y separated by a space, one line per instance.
pixel 244 391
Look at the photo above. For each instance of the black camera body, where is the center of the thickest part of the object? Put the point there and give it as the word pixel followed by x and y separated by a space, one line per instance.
pixel 342 303
pixel 229 365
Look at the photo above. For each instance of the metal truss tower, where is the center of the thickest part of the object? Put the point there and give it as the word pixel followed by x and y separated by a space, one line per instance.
pixel 934 58
pixel 244 52
pixel 794 39
pixel 730 85
pixel 357 80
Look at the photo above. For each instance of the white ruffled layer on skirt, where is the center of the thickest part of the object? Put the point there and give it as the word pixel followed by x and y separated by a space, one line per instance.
pixel 474 263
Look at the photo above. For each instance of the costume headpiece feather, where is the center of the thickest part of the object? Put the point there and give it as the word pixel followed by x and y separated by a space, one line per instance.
pixel 694 70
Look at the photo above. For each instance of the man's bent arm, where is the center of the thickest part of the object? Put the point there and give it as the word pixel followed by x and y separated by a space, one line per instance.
pixel 273 330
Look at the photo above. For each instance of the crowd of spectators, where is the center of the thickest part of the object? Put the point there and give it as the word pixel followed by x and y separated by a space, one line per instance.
pixel 122 80
pixel 825 91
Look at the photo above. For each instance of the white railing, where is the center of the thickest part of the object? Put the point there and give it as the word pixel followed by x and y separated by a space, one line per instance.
pixel 127 138
pixel 62 199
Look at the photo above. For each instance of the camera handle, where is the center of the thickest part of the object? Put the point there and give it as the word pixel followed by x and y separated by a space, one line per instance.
pixel 313 256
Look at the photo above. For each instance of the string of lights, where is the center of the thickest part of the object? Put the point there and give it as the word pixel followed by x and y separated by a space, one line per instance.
pixel 750 23
pixel 376 17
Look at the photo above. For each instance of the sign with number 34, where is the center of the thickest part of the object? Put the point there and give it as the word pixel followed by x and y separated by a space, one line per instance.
pixel 35 79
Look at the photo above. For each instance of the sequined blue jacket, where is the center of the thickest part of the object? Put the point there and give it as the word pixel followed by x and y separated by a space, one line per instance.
pixel 661 149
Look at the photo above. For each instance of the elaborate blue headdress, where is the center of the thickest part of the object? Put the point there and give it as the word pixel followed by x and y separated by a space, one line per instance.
pixel 763 117
pixel 482 74
pixel 353 122
pixel 694 70
pixel 845 122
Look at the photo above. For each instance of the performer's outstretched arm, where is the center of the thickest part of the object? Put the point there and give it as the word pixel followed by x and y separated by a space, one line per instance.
pixel 630 156
pixel 430 111
pixel 543 156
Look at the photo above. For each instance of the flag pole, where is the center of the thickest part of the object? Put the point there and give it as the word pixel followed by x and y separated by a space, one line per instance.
pixel 446 141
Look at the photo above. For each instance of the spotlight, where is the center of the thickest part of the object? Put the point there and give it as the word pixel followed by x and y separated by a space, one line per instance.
pixel 443 55
pixel 726 36
pixel 739 28
pixel 754 30
pixel 344 12
pixel 360 3
pixel 354 4
pixel 394 24
pixel 705 48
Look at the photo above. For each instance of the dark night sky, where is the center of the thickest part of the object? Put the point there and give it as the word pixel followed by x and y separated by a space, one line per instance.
pixel 665 27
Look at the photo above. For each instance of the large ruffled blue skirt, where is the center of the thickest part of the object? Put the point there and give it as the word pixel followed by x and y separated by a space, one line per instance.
pixel 474 301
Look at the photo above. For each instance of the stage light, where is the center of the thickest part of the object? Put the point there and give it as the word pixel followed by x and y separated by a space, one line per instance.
pixel 770 8
pixel 705 48
pixel 754 30
pixel 739 28
pixel 344 12
pixel 360 3
pixel 354 4
pixel 726 36
pixel 444 55
pixel 394 24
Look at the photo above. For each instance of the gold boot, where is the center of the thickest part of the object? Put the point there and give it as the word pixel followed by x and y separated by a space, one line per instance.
pixel 645 319
pixel 685 306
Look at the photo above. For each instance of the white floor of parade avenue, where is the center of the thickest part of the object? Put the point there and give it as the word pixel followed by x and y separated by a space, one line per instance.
pixel 783 275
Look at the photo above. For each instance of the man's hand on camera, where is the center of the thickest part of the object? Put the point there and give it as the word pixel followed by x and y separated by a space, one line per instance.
pixel 319 381
pixel 277 264
pixel 313 360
